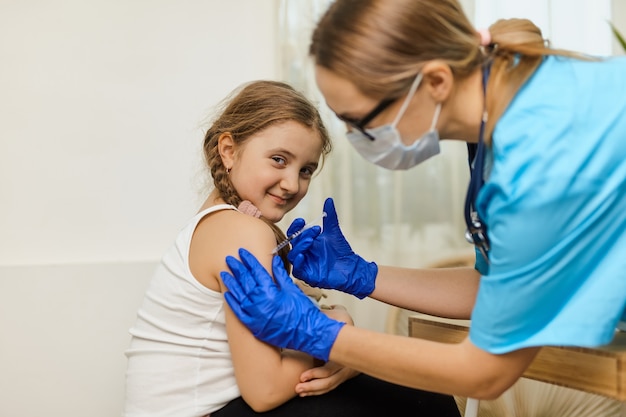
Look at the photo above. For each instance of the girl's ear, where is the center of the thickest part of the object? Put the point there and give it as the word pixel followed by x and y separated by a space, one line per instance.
pixel 439 79
pixel 226 148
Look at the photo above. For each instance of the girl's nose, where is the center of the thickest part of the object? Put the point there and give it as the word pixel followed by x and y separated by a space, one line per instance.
pixel 291 182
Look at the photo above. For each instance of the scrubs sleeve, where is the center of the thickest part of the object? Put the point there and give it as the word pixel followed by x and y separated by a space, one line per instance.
pixel 555 274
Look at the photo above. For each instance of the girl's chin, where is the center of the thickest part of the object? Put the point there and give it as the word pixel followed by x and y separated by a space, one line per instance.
pixel 273 211
pixel 274 219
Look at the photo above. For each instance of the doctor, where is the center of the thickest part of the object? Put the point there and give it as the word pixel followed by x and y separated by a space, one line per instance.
pixel 546 205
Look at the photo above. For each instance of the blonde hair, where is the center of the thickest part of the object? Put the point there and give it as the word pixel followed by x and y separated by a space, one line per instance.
pixel 248 110
pixel 381 45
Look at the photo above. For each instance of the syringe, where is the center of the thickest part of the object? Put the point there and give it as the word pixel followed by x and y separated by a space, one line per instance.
pixel 296 234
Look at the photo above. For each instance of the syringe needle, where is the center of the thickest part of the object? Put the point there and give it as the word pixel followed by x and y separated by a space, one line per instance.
pixel 296 234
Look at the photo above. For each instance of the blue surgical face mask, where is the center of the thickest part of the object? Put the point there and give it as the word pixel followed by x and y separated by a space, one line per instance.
pixel 387 149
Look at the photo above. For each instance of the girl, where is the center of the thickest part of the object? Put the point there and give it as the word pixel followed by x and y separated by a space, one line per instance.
pixel 189 354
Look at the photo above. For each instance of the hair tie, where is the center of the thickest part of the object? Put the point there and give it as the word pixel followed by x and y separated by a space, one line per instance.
pixel 246 207
pixel 485 37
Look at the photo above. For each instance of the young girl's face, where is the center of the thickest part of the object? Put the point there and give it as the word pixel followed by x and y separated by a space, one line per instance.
pixel 274 167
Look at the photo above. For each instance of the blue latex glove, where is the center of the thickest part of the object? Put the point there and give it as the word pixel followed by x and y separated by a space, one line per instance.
pixel 326 260
pixel 278 313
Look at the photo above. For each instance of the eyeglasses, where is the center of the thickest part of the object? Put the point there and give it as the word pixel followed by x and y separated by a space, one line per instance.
pixel 359 124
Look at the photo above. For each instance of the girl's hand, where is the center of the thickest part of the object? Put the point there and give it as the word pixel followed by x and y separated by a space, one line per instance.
pixel 323 379
pixel 327 377
pixel 337 312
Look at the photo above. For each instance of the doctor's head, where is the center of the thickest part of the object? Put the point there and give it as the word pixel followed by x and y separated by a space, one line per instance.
pixel 379 64
pixel 381 45
pixel 404 65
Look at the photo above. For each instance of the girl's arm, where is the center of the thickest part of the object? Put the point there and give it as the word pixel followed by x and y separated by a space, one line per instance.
pixel 266 376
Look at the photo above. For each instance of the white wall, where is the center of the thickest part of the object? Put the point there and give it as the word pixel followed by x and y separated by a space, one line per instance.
pixel 101 120
pixel 64 329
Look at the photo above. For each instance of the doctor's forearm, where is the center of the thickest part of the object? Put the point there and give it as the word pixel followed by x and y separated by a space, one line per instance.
pixel 444 292
pixel 457 369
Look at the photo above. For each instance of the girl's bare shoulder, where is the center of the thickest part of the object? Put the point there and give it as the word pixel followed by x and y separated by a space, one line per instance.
pixel 223 233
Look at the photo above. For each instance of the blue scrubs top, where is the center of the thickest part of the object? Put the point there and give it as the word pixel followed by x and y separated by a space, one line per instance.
pixel 554 204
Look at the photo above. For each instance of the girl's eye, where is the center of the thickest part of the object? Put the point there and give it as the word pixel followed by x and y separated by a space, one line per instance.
pixel 307 171
pixel 279 160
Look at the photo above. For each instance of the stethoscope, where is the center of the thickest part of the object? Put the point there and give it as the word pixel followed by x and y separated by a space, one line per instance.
pixel 476 231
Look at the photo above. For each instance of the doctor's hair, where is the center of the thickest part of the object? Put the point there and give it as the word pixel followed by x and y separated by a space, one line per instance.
pixel 248 110
pixel 381 45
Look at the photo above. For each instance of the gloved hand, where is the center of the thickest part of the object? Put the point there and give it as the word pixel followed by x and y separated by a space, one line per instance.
pixel 278 313
pixel 326 260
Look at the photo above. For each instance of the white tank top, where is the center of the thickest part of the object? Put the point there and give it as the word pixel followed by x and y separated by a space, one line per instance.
pixel 179 362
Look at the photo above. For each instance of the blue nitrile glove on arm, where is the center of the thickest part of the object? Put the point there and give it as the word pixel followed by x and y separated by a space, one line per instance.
pixel 326 260
pixel 278 313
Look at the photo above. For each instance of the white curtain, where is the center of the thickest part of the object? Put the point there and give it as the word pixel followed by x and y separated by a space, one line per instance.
pixel 415 217
pixel 580 25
